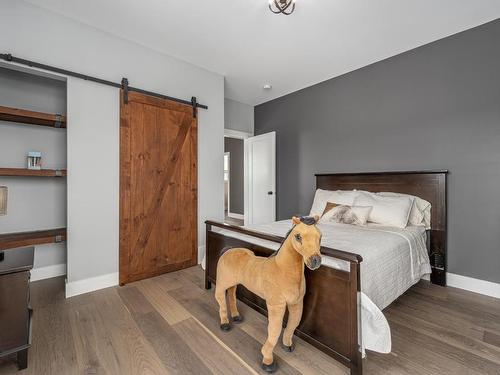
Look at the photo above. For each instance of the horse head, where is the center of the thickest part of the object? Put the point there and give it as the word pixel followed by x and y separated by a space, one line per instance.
pixel 306 240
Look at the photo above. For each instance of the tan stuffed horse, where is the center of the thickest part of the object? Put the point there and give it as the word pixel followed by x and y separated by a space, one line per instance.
pixel 278 279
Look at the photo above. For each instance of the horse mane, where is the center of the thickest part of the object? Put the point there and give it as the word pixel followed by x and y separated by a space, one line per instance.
pixel 308 220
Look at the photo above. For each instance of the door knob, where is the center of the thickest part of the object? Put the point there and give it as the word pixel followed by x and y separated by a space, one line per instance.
pixel 269 193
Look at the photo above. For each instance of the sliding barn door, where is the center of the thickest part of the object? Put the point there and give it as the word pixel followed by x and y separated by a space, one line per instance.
pixel 158 187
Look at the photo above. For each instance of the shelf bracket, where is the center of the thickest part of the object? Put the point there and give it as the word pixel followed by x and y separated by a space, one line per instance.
pixel 58 122
pixel 125 90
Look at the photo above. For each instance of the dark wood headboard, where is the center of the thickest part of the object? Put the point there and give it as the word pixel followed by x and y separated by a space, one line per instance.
pixel 428 185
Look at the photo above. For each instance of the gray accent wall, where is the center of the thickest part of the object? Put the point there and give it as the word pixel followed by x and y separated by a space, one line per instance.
pixel 434 107
pixel 34 203
pixel 236 177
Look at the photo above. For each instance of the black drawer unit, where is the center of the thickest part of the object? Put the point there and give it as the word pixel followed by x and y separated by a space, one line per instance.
pixel 15 309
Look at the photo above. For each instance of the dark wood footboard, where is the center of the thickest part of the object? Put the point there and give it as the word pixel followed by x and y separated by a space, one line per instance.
pixel 331 304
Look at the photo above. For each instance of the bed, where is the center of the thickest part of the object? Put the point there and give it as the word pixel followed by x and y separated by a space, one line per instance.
pixel 364 269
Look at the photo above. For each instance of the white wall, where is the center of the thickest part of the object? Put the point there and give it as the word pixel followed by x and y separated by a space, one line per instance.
pixel 33 33
pixel 238 116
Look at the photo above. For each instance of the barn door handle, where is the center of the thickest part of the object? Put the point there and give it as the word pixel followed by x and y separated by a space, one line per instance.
pixel 269 193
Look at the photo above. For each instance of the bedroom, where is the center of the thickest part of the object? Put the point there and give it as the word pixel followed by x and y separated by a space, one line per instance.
pixel 362 101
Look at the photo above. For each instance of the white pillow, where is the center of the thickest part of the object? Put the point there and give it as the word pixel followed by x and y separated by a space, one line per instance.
pixel 319 203
pixel 391 211
pixel 420 212
pixel 345 197
pixel 321 197
pixel 356 215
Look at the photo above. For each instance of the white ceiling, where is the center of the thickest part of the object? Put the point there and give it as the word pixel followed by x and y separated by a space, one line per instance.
pixel 250 46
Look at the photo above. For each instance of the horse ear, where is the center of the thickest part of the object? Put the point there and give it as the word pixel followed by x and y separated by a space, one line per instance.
pixel 316 218
pixel 296 220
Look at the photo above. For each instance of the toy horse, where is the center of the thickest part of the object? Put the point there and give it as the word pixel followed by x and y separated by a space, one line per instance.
pixel 278 279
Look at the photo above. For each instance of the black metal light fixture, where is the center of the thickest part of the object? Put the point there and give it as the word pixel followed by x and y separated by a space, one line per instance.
pixel 285 7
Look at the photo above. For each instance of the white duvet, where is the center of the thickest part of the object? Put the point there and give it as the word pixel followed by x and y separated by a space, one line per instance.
pixel 393 260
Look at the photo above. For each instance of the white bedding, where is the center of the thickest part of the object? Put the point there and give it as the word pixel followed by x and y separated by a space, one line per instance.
pixel 393 260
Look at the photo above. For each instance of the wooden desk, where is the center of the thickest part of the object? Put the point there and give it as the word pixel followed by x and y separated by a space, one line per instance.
pixel 15 310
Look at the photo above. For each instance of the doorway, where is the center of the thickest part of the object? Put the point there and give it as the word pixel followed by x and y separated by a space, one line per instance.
pixel 249 178
pixel 233 181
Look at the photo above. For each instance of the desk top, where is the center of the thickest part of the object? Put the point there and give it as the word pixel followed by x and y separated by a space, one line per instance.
pixel 16 260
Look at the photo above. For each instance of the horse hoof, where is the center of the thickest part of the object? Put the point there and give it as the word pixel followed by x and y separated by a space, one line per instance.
pixel 238 319
pixel 225 327
pixel 290 348
pixel 269 368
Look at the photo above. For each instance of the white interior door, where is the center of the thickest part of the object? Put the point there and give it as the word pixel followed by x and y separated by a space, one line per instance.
pixel 260 181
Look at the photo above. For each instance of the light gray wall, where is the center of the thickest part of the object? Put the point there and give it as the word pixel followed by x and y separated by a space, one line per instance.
pixel 34 203
pixel 238 116
pixel 236 176
pixel 44 36
pixel 93 175
pixel 435 107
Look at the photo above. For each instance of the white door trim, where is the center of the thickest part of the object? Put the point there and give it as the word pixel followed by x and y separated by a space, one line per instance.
pixel 228 182
pixel 229 133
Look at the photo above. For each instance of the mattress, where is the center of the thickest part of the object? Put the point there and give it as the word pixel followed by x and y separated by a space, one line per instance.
pixel 394 259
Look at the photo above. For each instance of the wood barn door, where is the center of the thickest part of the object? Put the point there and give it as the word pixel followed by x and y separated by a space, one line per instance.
pixel 158 187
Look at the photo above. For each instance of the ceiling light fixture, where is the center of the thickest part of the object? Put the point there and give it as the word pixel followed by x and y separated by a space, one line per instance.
pixel 267 86
pixel 285 7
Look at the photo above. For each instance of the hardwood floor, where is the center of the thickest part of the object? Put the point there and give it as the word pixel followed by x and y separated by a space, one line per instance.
pixel 169 325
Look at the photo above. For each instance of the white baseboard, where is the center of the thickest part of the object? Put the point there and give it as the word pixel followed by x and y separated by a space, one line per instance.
pixel 75 288
pixel 201 253
pixel 236 216
pixel 42 273
pixel 487 288
pixel 484 287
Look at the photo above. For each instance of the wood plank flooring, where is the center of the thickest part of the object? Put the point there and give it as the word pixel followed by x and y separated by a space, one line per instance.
pixel 169 325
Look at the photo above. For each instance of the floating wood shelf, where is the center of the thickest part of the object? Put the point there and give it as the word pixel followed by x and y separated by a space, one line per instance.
pixel 32 172
pixel 33 118
pixel 20 239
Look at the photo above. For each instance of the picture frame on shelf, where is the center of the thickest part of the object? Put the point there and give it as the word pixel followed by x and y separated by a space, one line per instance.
pixel 35 160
